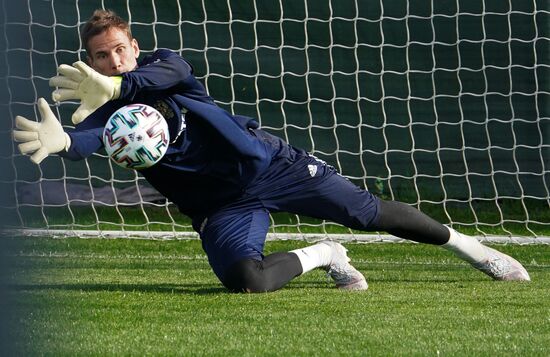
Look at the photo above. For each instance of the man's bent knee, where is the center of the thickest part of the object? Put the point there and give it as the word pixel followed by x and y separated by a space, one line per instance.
pixel 246 276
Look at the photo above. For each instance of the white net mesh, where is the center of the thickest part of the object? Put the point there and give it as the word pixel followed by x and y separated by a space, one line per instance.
pixel 443 105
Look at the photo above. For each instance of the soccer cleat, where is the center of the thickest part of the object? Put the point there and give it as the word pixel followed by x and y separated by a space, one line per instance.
pixel 341 271
pixel 500 266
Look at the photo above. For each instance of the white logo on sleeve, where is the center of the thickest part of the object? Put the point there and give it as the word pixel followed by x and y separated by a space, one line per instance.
pixel 312 170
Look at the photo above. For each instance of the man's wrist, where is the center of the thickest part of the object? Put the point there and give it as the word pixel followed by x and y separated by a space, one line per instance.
pixel 67 141
pixel 117 81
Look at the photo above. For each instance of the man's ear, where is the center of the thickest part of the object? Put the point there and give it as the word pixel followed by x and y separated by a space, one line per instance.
pixel 90 61
pixel 135 46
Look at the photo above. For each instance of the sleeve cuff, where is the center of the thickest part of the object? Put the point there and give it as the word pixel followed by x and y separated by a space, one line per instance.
pixel 67 141
pixel 117 82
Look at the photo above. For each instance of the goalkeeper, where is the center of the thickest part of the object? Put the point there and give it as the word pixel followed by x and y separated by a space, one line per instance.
pixel 224 172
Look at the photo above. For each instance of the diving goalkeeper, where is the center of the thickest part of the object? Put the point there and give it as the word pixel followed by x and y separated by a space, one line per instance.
pixel 226 173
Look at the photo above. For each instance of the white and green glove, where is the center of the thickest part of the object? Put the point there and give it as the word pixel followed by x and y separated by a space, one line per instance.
pixel 80 81
pixel 41 139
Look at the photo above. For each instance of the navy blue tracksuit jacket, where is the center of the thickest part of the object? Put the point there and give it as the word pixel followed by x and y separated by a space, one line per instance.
pixel 213 155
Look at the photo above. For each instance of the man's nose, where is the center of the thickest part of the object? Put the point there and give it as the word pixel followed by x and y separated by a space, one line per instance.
pixel 115 61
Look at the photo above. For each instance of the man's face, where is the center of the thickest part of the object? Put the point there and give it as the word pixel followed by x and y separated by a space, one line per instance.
pixel 112 52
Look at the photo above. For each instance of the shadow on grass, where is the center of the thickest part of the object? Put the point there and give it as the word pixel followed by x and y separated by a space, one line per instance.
pixel 197 289
pixel 193 289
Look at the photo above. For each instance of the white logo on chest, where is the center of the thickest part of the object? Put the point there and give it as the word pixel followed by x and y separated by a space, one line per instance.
pixel 312 170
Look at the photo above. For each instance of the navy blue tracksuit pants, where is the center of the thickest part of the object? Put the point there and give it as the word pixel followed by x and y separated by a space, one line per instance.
pixel 303 185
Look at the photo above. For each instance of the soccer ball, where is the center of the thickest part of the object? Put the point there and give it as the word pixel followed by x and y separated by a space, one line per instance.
pixel 136 136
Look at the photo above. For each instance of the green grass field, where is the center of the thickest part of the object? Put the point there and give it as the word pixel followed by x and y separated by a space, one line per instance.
pixel 132 297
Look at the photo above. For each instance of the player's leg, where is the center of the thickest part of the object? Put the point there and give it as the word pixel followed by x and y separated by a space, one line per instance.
pixel 276 270
pixel 233 240
pixel 252 275
pixel 407 222
pixel 328 195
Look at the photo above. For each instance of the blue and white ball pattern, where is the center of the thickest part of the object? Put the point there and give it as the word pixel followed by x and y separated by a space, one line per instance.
pixel 136 136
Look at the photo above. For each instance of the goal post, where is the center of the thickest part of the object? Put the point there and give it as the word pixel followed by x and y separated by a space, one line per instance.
pixel 443 105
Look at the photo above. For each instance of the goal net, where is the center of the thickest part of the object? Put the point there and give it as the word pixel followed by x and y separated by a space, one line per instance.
pixel 443 105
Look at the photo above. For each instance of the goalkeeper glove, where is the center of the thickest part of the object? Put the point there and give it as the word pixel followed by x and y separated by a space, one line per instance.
pixel 80 81
pixel 41 139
